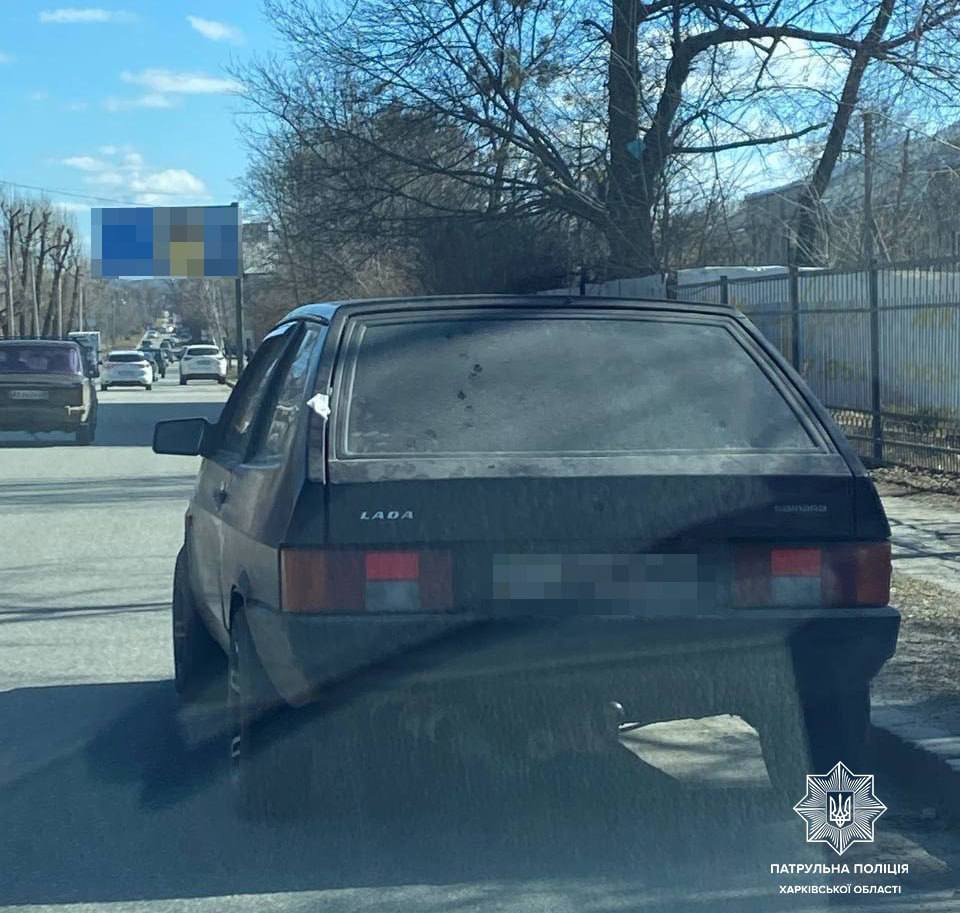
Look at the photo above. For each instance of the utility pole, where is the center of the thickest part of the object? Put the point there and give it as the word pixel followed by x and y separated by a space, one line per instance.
pixel 80 309
pixel 11 318
pixel 36 299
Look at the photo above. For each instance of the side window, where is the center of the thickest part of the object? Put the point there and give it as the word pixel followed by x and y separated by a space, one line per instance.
pixel 282 408
pixel 241 408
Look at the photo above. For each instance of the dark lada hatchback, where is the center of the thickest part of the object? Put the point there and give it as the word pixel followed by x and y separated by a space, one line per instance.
pixel 604 509
pixel 46 385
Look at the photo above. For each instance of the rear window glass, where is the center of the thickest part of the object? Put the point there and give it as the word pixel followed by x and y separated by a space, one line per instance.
pixel 122 357
pixel 40 360
pixel 203 350
pixel 561 385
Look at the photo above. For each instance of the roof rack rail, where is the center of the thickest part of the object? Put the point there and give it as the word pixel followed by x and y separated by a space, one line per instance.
pixel 37 337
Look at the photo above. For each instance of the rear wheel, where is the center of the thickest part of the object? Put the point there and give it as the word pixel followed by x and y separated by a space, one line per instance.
pixel 148 386
pixel 103 386
pixel 271 758
pixel 198 661
pixel 183 381
pixel 829 730
pixel 221 380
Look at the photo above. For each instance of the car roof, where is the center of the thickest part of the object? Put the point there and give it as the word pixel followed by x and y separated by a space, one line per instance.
pixel 125 352
pixel 325 311
pixel 70 343
pixel 203 345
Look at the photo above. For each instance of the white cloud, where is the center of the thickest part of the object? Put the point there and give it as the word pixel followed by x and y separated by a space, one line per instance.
pixel 216 31
pixel 122 171
pixel 72 14
pixel 176 181
pixel 150 100
pixel 107 179
pixel 76 106
pixel 72 206
pixel 39 95
pixel 5 58
pixel 167 81
pixel 84 163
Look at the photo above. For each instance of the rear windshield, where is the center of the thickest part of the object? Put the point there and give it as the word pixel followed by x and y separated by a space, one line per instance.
pixel 126 357
pixel 40 360
pixel 203 350
pixel 561 385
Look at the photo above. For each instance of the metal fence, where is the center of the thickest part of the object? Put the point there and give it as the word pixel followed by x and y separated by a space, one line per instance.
pixel 880 346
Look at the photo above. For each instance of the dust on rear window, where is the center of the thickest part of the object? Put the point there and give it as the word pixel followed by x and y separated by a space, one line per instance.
pixel 561 385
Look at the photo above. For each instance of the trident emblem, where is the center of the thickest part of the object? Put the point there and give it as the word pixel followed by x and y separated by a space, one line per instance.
pixel 840 812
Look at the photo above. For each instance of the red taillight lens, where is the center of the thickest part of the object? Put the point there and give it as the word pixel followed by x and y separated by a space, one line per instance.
pixel 857 574
pixel 318 580
pixel 829 576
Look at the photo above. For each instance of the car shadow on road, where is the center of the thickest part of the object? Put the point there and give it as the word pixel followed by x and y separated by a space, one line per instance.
pixel 138 808
pixel 46 495
pixel 120 424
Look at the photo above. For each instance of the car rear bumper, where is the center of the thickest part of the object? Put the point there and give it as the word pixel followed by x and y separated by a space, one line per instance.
pixel 201 375
pixel 48 418
pixel 128 381
pixel 690 666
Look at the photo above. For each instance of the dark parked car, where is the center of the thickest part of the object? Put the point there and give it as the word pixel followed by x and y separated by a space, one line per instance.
pixel 572 504
pixel 47 385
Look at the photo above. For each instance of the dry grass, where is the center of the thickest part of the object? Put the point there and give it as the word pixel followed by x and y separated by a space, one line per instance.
pixel 926 667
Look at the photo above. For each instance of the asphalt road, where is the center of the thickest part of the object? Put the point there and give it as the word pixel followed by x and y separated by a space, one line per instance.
pixel 112 799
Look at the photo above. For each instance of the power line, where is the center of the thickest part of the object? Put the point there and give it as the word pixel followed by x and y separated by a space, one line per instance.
pixel 69 193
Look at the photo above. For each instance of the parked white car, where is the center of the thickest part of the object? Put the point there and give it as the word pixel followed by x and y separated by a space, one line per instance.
pixel 203 361
pixel 127 368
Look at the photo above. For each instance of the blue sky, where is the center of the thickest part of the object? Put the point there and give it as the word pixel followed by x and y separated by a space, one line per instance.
pixel 129 102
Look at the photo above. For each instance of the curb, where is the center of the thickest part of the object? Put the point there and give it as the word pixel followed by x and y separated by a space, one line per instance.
pixel 923 754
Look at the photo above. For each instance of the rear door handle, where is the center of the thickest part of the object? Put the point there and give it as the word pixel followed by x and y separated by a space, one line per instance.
pixel 220 495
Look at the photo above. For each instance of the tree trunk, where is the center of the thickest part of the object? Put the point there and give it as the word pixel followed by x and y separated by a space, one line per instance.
pixel 629 228
pixel 807 250
pixel 39 265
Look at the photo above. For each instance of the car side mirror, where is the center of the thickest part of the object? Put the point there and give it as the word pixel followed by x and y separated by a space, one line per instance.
pixel 93 371
pixel 183 436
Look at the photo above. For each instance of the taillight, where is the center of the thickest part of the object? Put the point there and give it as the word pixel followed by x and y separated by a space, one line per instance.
pixel 318 580
pixel 828 576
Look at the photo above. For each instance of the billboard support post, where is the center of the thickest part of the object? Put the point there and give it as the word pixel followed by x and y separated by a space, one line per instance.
pixel 238 296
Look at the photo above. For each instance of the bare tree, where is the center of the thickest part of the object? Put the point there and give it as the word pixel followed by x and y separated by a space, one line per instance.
pixel 570 109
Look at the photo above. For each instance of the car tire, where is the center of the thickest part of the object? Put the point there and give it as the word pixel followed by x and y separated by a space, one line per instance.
pixel 148 386
pixel 183 381
pixel 221 380
pixel 103 387
pixel 198 661
pixel 833 728
pixel 85 434
pixel 271 757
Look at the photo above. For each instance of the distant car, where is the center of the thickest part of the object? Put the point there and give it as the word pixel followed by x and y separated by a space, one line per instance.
pixel 127 368
pixel 47 385
pixel 203 362
pixel 465 506
pixel 159 361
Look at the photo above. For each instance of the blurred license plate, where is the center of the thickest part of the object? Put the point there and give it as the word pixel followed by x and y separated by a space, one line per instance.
pixel 29 394
pixel 654 584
